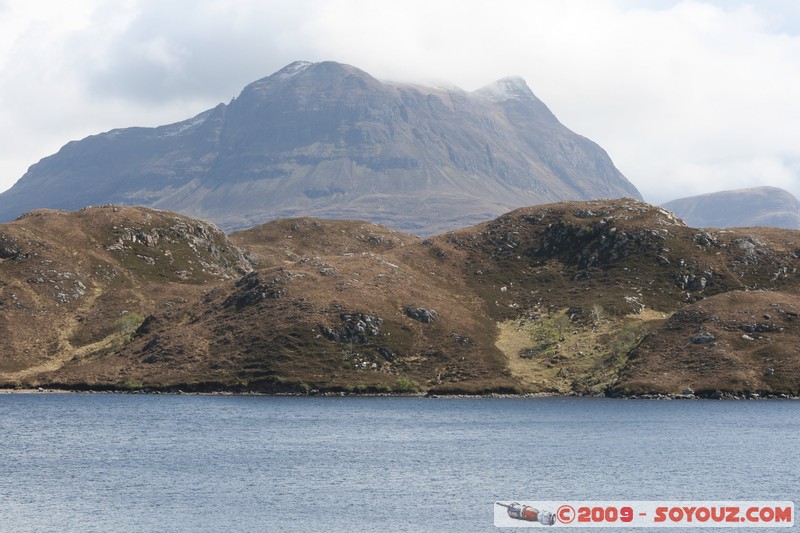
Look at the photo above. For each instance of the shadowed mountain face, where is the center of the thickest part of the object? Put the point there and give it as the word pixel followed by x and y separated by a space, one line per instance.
pixel 328 140
pixel 759 206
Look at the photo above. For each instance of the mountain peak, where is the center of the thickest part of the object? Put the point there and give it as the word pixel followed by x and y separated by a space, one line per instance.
pixel 508 88
pixel 309 75
pixel 291 70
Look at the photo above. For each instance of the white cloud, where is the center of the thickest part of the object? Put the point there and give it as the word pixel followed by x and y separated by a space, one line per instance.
pixel 687 97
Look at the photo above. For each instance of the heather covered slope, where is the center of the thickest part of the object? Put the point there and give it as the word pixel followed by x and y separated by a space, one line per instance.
pixel 614 297
pixel 329 140
pixel 739 342
pixel 74 286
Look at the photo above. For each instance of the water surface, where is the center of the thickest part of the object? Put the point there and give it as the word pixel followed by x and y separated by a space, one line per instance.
pixel 105 462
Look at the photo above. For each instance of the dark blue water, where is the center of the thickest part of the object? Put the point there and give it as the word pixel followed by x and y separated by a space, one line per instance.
pixel 82 462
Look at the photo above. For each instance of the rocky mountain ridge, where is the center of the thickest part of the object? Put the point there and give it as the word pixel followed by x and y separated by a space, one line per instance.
pixel 595 297
pixel 329 140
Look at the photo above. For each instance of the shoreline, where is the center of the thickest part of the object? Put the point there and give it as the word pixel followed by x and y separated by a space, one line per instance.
pixel 532 395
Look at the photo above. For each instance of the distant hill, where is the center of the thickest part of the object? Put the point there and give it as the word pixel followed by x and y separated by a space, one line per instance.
pixel 759 206
pixel 329 140
pixel 614 297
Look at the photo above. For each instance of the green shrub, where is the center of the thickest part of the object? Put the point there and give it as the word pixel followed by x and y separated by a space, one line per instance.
pixel 406 385
pixel 127 326
pixel 625 339
pixel 133 384
pixel 129 323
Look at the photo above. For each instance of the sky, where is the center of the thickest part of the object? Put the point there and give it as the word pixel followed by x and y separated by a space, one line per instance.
pixel 687 97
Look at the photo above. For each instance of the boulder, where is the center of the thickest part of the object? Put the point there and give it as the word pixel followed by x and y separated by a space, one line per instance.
pixel 421 314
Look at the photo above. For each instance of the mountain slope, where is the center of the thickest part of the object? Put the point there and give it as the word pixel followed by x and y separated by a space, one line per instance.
pixel 329 140
pixel 759 206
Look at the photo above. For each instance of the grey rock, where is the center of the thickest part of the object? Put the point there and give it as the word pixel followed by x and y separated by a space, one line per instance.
pixel 386 354
pixel 703 337
pixel 696 283
pixel 421 314
pixel 251 290
pixel 705 239
pixel 8 252
pixel 463 341
pixel 357 327
pixel 594 244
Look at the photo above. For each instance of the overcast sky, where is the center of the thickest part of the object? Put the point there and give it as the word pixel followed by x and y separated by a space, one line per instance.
pixel 686 97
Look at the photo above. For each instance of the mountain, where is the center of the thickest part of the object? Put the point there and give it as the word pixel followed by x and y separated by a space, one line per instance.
pixel 759 206
pixel 615 297
pixel 329 140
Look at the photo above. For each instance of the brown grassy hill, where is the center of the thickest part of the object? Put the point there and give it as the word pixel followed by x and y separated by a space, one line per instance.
pixel 737 342
pixel 573 287
pixel 75 285
pixel 334 305
pixel 584 297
